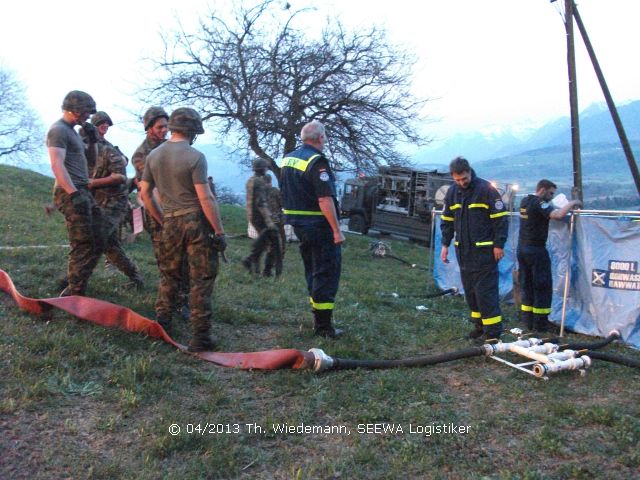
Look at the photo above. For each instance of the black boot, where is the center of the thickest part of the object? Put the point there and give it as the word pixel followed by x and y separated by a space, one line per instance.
pixel 542 324
pixel 136 281
pixel 202 343
pixel 526 320
pixel 165 322
pixel 477 329
pixel 322 326
pixel 491 333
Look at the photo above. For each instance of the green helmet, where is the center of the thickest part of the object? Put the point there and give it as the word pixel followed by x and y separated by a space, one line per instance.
pixel 259 164
pixel 101 117
pixel 78 102
pixel 151 115
pixel 186 120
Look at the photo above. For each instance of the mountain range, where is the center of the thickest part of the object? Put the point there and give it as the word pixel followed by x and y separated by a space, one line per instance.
pixel 523 157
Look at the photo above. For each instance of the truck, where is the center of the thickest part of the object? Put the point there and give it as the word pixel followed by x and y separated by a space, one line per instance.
pixel 398 200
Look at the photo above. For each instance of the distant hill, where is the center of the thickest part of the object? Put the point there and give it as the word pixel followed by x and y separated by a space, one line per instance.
pixel 596 126
pixel 546 153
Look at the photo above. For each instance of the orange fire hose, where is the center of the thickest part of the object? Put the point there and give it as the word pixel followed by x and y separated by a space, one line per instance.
pixel 110 315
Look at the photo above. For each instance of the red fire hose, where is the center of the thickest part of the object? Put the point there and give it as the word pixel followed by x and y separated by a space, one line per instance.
pixel 110 315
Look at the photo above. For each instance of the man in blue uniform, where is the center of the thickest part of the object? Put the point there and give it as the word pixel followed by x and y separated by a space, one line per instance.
pixel 475 215
pixel 534 265
pixel 311 207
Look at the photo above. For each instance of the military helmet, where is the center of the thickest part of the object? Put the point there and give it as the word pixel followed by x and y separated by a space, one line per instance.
pixel 77 101
pixel 259 164
pixel 151 115
pixel 186 120
pixel 101 117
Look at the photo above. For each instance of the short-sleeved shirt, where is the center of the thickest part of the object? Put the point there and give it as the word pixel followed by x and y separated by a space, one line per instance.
pixel 174 168
pixel 534 221
pixel 62 135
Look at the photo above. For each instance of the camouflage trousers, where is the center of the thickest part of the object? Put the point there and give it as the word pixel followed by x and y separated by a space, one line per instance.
pixel 84 228
pixel 187 237
pixel 114 210
pixel 155 233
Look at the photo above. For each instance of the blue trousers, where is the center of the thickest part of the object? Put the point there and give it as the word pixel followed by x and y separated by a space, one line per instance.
pixel 322 263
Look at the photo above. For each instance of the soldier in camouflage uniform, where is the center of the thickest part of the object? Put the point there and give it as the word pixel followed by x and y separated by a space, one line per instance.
pixel 155 124
pixel 259 215
pixel 108 185
pixel 275 256
pixel 71 196
pixel 191 225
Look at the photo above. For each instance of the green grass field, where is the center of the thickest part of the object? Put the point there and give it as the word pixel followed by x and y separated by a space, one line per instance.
pixel 82 401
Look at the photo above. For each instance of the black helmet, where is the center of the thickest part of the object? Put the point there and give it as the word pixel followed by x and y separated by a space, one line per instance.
pixel 259 164
pixel 101 117
pixel 186 120
pixel 78 102
pixel 151 115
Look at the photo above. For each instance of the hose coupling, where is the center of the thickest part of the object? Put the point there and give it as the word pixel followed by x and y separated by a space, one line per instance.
pixel 322 361
pixel 580 363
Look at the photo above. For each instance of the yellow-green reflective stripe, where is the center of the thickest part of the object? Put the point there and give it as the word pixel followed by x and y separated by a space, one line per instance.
pixel 455 206
pixel 447 219
pixel 456 243
pixel 499 214
pixel 476 315
pixel 492 320
pixel 322 306
pixel 541 311
pixel 302 212
pixel 483 244
pixel 526 308
pixel 297 163
pixel 479 205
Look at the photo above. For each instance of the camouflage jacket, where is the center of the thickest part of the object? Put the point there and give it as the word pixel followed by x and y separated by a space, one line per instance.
pixel 140 156
pixel 109 160
pixel 256 199
pixel 275 204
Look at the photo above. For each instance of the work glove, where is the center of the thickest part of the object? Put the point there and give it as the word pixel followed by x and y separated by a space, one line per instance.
pixel 80 203
pixel 90 131
pixel 219 242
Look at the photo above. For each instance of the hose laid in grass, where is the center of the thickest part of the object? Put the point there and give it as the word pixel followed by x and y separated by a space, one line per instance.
pixel 347 364
pixel 612 357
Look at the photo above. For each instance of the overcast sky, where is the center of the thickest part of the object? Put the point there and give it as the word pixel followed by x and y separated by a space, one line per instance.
pixel 485 63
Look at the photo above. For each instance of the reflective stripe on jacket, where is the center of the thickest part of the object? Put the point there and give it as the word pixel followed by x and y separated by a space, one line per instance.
pixel 475 216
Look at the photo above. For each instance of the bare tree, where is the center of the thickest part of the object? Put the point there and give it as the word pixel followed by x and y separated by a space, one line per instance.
pixel 259 78
pixel 21 133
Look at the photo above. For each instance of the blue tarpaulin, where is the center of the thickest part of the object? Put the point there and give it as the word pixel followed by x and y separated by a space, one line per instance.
pixel 604 259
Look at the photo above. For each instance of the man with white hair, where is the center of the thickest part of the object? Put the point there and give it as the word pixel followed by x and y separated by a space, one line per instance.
pixel 310 205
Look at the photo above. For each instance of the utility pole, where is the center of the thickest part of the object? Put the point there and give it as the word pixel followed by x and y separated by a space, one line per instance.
pixel 633 166
pixel 573 101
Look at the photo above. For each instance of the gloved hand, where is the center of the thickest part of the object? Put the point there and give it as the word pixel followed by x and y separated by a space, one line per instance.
pixel 219 242
pixel 80 203
pixel 90 131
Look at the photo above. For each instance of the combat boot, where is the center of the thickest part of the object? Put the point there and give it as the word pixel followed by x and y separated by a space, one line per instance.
pixel 165 323
pixel 136 281
pixel 322 326
pixel 202 343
